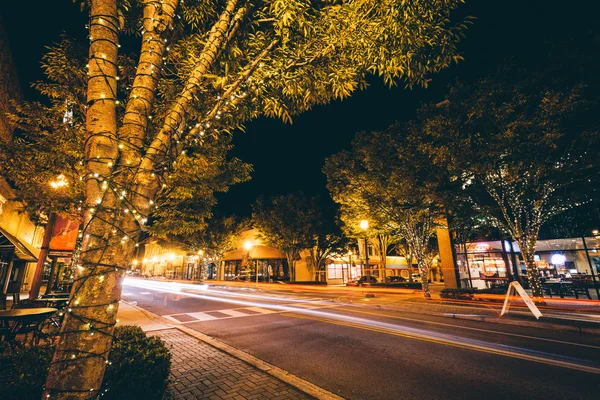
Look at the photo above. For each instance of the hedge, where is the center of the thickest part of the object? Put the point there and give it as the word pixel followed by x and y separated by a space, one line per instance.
pixel 468 293
pixel 138 367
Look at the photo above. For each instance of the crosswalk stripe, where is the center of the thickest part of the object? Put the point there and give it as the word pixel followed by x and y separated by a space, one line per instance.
pixel 261 310
pixel 233 313
pixel 200 316
pixel 239 312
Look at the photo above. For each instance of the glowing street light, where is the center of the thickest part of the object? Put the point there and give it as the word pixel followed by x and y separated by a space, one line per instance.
pixel 59 182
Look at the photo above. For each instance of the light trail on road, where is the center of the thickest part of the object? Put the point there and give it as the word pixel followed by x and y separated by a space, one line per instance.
pixel 368 324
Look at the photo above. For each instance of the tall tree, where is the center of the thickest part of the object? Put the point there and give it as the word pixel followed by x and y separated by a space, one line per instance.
pixel 327 240
pixel 218 237
pixel 379 178
pixel 202 69
pixel 521 152
pixel 287 222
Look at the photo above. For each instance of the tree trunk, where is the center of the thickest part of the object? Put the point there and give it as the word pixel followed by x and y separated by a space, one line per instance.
pixel 528 251
pixel 383 245
pixel 157 19
pixel 424 271
pixel 78 365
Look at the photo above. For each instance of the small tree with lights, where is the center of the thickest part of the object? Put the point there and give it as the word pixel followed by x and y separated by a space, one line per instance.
pixel 379 177
pixel 522 152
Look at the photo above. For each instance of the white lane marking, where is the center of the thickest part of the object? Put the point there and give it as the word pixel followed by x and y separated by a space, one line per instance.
pixel 145 293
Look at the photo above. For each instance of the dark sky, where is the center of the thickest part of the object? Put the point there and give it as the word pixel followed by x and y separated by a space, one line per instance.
pixel 289 158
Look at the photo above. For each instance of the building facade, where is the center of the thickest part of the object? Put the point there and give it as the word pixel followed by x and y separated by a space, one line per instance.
pixel 481 264
pixel 20 239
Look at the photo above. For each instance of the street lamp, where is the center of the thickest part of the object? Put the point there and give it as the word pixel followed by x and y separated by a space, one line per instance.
pixel 364 225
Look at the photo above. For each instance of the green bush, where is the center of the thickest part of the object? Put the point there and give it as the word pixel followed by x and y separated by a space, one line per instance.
pixel 138 367
pixel 469 293
pixel 400 285
pixel 462 294
pixel 23 370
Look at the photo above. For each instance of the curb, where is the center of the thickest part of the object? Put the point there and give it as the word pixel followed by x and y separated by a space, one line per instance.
pixel 284 376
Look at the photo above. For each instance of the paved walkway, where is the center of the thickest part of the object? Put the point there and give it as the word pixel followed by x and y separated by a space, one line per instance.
pixel 199 371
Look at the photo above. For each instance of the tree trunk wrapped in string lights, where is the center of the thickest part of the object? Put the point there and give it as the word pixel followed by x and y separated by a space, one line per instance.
pixel 86 334
pixel 157 126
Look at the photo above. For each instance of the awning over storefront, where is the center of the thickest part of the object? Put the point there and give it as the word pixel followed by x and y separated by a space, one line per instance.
pixel 8 241
pixel 256 252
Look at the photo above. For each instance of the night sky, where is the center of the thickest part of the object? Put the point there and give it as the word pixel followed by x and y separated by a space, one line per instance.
pixel 289 158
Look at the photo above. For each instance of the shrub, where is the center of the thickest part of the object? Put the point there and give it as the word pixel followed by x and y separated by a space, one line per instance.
pixel 462 294
pixel 23 370
pixel 469 293
pixel 138 367
pixel 400 285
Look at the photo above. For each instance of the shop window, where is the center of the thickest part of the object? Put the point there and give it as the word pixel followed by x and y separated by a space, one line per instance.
pixel 334 271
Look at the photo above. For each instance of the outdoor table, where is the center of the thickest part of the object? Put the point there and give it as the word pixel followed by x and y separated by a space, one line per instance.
pixel 51 301
pixel 19 316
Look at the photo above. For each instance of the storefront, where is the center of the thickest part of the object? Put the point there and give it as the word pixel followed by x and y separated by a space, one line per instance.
pixel 14 257
pixel 256 264
pixel 481 264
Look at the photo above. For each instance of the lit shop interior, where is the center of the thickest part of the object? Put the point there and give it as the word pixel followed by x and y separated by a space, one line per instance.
pixel 481 264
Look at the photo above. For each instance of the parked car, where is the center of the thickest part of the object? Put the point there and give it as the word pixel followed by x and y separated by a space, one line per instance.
pixel 366 280
pixel 393 279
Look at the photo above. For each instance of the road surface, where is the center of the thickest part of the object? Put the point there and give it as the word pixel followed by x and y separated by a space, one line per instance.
pixel 364 353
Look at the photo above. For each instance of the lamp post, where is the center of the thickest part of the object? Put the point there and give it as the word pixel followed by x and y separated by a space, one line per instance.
pixel 364 225
pixel 348 270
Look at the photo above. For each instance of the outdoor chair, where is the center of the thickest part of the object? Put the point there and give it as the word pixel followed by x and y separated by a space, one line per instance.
pixel 547 290
pixel 31 325
pixel 581 288
pixel 25 304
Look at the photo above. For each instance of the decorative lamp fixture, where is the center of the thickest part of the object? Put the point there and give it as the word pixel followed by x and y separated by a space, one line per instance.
pixel 558 259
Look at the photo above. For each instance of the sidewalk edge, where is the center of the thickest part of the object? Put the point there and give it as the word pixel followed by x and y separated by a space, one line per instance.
pixel 303 385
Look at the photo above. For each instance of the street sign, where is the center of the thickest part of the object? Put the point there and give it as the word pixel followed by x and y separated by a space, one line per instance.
pixel 516 286
pixel 54 253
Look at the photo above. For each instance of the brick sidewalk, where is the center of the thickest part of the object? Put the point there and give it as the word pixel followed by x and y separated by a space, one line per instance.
pixel 200 371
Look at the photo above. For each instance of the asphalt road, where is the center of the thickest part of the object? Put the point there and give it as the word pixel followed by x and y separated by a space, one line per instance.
pixel 365 353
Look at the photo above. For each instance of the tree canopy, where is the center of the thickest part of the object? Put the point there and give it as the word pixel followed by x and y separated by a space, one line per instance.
pixel 520 151
pixel 199 69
